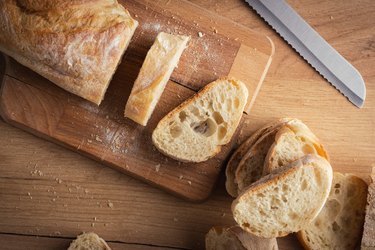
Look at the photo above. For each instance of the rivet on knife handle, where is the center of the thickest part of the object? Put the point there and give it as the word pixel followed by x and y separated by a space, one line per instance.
pixel 313 48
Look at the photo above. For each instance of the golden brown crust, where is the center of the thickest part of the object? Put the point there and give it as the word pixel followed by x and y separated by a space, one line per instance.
pixel 75 44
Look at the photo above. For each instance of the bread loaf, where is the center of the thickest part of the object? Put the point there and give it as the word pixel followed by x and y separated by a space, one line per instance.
pixel 340 223
pixel 196 130
pixel 285 201
pixel 368 239
pixel 75 44
pixel 234 238
pixel 156 70
pixel 292 141
pixel 89 241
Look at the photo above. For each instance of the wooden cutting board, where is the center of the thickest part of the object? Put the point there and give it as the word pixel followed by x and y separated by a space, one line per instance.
pixel 218 48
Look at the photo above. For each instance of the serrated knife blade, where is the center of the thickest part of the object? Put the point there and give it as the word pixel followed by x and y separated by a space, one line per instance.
pixel 313 48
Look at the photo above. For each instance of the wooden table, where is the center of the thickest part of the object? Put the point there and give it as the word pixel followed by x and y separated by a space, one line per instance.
pixel 49 194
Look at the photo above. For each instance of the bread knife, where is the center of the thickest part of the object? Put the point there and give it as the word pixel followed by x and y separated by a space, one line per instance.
pixel 313 48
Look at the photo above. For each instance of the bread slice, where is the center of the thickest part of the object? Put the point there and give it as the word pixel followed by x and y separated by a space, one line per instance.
pixel 89 241
pixel 292 141
pixel 340 223
pixel 196 130
pixel 368 238
pixel 285 201
pixel 156 70
pixel 234 238
pixel 75 44
pixel 235 159
pixel 250 168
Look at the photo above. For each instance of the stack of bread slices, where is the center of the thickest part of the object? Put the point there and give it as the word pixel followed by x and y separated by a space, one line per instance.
pixel 283 183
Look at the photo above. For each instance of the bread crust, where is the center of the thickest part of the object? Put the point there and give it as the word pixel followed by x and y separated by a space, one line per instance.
pixel 75 44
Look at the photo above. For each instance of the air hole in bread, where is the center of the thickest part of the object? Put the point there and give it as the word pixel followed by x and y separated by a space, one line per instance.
pixel 274 207
pixel 182 116
pixel 285 200
pixel 206 128
pixel 195 111
pixel 245 224
pixel 304 185
pixel 317 223
pixel 228 105
pixel 280 162
pixel 260 195
pixel 337 185
pixel 175 131
pixel 318 177
pixel 218 118
pixel 337 191
pixel 293 215
pixel 222 132
pixel 236 103
pixel 335 227
pixel 285 187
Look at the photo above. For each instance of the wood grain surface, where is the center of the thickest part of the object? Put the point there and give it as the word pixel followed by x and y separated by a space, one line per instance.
pixel 143 216
pixel 30 102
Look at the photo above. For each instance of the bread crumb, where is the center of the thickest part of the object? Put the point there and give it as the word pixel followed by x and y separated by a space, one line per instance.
pixel 94 219
pixel 56 233
pixel 93 224
pixel 157 167
pixel 200 34
pixel 331 17
pixel 223 215
pixel 180 177
pixel 54 199
pixel 189 183
pixel 175 219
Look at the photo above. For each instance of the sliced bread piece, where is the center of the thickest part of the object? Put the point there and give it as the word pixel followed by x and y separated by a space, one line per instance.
pixel 340 223
pixel 196 130
pixel 368 238
pixel 292 141
pixel 285 201
pixel 156 70
pixel 250 168
pixel 234 238
pixel 89 241
pixel 235 159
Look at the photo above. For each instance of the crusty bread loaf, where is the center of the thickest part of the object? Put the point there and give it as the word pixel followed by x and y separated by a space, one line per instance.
pixel 292 141
pixel 89 241
pixel 234 238
pixel 285 201
pixel 196 130
pixel 339 225
pixel 235 159
pixel 250 168
pixel 156 70
pixel 75 44
pixel 368 239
